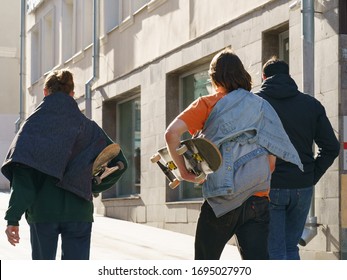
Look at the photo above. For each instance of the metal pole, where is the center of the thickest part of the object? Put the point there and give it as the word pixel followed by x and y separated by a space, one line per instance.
pixel 21 66
pixel 95 62
pixel 307 8
pixel 308 45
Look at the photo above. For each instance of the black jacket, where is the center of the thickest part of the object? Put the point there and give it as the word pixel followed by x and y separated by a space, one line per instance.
pixel 305 121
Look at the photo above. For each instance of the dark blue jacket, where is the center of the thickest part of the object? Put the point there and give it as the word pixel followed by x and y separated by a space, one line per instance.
pixel 58 140
pixel 305 121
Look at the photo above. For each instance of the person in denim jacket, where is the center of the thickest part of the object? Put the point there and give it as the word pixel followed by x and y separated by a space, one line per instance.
pixel 250 136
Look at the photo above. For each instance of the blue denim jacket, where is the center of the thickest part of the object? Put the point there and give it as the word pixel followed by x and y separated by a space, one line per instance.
pixel 244 127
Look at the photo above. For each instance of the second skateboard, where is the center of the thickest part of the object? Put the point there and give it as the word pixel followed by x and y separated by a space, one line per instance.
pixel 200 155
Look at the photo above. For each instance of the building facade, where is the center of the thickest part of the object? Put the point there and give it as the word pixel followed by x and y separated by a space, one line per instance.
pixel 9 76
pixel 140 63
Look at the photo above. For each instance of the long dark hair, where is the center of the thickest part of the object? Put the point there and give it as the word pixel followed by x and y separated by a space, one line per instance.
pixel 227 70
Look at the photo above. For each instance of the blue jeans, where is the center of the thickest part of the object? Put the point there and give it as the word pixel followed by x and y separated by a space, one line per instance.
pixel 75 240
pixel 288 213
pixel 249 222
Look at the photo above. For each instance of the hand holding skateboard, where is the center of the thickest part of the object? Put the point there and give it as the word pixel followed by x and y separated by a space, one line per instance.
pixel 201 157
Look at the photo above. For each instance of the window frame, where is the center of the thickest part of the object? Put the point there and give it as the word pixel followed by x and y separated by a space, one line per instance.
pixel 87 26
pixel 110 23
pixel 192 71
pixel 272 42
pixel 68 37
pixel 182 106
pixel 36 59
pixel 281 38
pixel 137 187
pixel 48 48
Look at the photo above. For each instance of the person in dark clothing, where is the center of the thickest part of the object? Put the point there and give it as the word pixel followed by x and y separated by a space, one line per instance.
pixel 49 166
pixel 306 123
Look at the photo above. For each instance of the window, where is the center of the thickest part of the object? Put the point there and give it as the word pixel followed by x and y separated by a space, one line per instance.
pixel 193 85
pixel 77 26
pixel 35 53
pixel 68 26
pixel 117 11
pixel 182 88
pixel 77 37
pixel 276 42
pixel 111 11
pixel 284 46
pixel 87 27
pixel 127 127
pixel 48 46
pixel 125 8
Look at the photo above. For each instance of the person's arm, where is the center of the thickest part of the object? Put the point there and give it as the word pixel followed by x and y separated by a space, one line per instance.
pixel 23 193
pixel 328 146
pixel 173 137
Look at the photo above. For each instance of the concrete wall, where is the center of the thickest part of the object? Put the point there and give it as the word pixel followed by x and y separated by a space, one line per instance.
pixel 9 76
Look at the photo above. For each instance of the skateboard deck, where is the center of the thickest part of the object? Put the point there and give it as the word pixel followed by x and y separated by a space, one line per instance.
pixel 201 157
pixel 100 166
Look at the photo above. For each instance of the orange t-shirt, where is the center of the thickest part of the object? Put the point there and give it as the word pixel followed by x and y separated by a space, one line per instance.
pixel 196 114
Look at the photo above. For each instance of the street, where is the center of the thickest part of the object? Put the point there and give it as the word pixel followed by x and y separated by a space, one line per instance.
pixel 114 239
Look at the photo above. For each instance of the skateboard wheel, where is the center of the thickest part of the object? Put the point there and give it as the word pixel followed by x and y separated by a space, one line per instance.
pixel 181 150
pixel 155 158
pixel 174 184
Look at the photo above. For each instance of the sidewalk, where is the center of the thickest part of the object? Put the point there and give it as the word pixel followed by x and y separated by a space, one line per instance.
pixel 114 239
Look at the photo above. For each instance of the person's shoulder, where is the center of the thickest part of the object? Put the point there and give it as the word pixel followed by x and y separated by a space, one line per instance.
pixel 310 99
pixel 311 103
pixel 211 99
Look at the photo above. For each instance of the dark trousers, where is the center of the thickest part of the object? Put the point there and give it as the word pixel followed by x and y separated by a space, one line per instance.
pixel 75 240
pixel 249 222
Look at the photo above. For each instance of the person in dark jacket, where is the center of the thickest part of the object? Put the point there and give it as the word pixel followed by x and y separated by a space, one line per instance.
pixel 49 166
pixel 306 123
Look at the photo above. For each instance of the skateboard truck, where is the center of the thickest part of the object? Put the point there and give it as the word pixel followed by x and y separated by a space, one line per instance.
pixel 174 182
pixel 194 160
pixel 106 171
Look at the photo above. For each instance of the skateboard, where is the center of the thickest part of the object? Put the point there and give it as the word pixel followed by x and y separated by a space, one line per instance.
pixel 201 157
pixel 100 166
